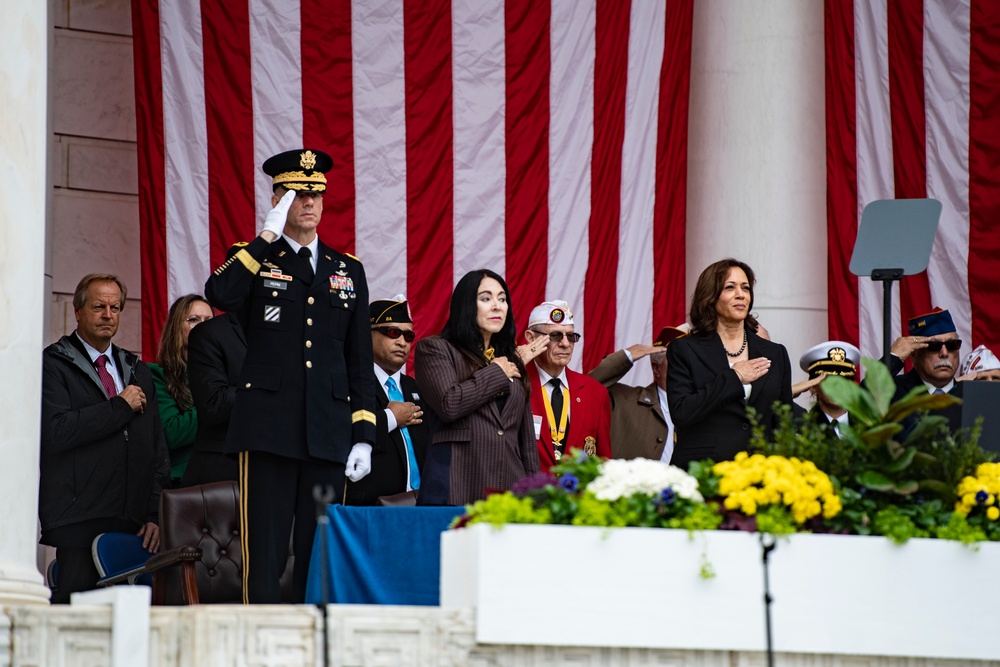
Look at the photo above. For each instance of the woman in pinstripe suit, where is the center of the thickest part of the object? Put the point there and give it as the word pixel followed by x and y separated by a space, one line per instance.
pixel 473 380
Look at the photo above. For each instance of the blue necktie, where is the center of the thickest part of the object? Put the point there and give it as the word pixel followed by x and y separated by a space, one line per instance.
pixel 396 395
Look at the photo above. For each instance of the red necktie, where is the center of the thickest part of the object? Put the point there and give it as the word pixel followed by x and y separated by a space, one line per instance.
pixel 106 379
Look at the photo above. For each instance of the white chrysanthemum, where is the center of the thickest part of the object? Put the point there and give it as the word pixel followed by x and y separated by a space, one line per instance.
pixel 620 478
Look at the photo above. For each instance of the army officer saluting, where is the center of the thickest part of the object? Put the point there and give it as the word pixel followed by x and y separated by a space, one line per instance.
pixel 304 411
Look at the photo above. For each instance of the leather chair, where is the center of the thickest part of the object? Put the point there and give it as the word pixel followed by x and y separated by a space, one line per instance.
pixel 200 558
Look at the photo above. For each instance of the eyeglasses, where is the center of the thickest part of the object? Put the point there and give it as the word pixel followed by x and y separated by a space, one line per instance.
pixel 557 336
pixel 396 332
pixel 953 345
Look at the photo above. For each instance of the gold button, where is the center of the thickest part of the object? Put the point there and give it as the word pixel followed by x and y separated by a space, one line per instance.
pixel 309 343
pixel 311 301
pixel 248 385
pixel 309 364
pixel 309 321
pixel 499 432
pixel 345 305
pixel 274 293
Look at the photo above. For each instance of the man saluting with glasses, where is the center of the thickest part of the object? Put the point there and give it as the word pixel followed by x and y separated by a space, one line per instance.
pixel 400 432
pixel 570 409
pixel 935 354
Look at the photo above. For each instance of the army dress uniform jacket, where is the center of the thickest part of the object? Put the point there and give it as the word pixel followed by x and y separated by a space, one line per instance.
pixel 589 417
pixel 638 426
pixel 305 389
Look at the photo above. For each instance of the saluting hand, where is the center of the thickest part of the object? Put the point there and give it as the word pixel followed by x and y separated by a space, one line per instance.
pixel 529 351
pixel 274 221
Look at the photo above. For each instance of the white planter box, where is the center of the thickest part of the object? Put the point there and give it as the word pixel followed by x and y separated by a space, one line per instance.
pixel 640 587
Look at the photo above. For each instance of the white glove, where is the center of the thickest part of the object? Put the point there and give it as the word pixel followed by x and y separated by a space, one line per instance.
pixel 359 461
pixel 274 221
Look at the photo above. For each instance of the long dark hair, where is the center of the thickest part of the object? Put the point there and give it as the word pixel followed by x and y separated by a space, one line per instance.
pixel 462 331
pixel 704 318
pixel 172 354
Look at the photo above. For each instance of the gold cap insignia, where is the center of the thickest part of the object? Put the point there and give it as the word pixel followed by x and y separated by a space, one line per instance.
pixel 307 160
pixel 837 354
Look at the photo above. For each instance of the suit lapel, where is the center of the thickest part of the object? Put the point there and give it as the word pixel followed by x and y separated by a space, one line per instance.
pixel 651 398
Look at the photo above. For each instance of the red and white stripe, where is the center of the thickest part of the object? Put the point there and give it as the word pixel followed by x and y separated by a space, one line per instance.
pixel 913 111
pixel 544 139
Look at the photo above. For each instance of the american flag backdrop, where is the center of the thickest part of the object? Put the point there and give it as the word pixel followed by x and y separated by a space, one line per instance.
pixel 544 139
pixel 913 111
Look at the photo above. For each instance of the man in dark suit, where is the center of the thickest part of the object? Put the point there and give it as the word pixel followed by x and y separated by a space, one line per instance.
pixel 834 357
pixel 304 410
pixel 640 418
pixel 570 410
pixel 103 452
pixel 400 434
pixel 215 358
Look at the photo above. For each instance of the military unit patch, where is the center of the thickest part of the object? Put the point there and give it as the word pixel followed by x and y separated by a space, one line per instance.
pixel 272 314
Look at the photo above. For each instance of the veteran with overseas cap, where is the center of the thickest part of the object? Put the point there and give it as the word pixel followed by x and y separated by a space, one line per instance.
pixel 935 362
pixel 641 426
pixel 834 357
pixel 304 413
pixel 569 409
pixel 400 432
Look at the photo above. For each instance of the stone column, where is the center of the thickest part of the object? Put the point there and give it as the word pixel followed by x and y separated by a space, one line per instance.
pixel 24 34
pixel 757 165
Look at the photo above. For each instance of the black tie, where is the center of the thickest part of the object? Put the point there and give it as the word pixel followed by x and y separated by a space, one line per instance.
pixel 557 409
pixel 306 256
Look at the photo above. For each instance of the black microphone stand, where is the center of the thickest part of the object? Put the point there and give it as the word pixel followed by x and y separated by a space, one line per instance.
pixel 767 543
pixel 323 495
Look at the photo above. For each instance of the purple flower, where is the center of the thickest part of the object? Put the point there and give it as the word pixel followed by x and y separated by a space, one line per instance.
pixel 569 482
pixel 668 496
pixel 982 497
pixel 533 483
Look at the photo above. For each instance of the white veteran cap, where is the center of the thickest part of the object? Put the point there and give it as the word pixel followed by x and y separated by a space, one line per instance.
pixel 550 312
pixel 834 357
pixel 980 359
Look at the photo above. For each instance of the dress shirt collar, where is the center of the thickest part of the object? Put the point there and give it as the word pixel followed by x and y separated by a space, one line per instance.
pixel 383 376
pixel 543 378
pixel 312 245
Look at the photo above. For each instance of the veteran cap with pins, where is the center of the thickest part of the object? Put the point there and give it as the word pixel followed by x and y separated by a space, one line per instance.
pixel 550 312
pixel 834 357
pixel 390 311
pixel 936 322
pixel 302 170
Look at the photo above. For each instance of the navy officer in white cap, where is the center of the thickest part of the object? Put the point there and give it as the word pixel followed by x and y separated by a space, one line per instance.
pixel 834 357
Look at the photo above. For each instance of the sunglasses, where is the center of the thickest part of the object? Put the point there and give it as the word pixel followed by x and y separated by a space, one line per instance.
pixel 557 336
pixel 953 345
pixel 396 332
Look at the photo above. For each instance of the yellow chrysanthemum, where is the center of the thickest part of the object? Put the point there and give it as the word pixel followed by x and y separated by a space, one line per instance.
pixel 750 482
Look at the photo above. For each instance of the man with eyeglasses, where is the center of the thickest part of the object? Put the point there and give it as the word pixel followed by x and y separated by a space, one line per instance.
pixel 570 410
pixel 400 432
pixel 641 426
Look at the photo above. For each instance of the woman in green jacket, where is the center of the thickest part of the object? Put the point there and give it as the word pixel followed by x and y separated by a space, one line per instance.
pixel 173 396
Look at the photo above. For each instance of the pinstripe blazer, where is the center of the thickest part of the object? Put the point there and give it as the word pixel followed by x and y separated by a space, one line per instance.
pixel 475 445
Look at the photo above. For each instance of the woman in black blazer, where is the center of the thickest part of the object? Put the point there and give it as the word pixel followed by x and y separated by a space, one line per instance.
pixel 723 367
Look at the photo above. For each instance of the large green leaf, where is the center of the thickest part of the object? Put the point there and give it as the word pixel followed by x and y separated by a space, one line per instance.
pixel 880 383
pixel 875 481
pixel 903 461
pixel 881 434
pixel 919 399
pixel 855 399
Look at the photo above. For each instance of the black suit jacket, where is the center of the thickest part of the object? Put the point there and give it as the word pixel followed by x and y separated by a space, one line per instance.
pixel 389 465
pixel 707 401
pixel 216 349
